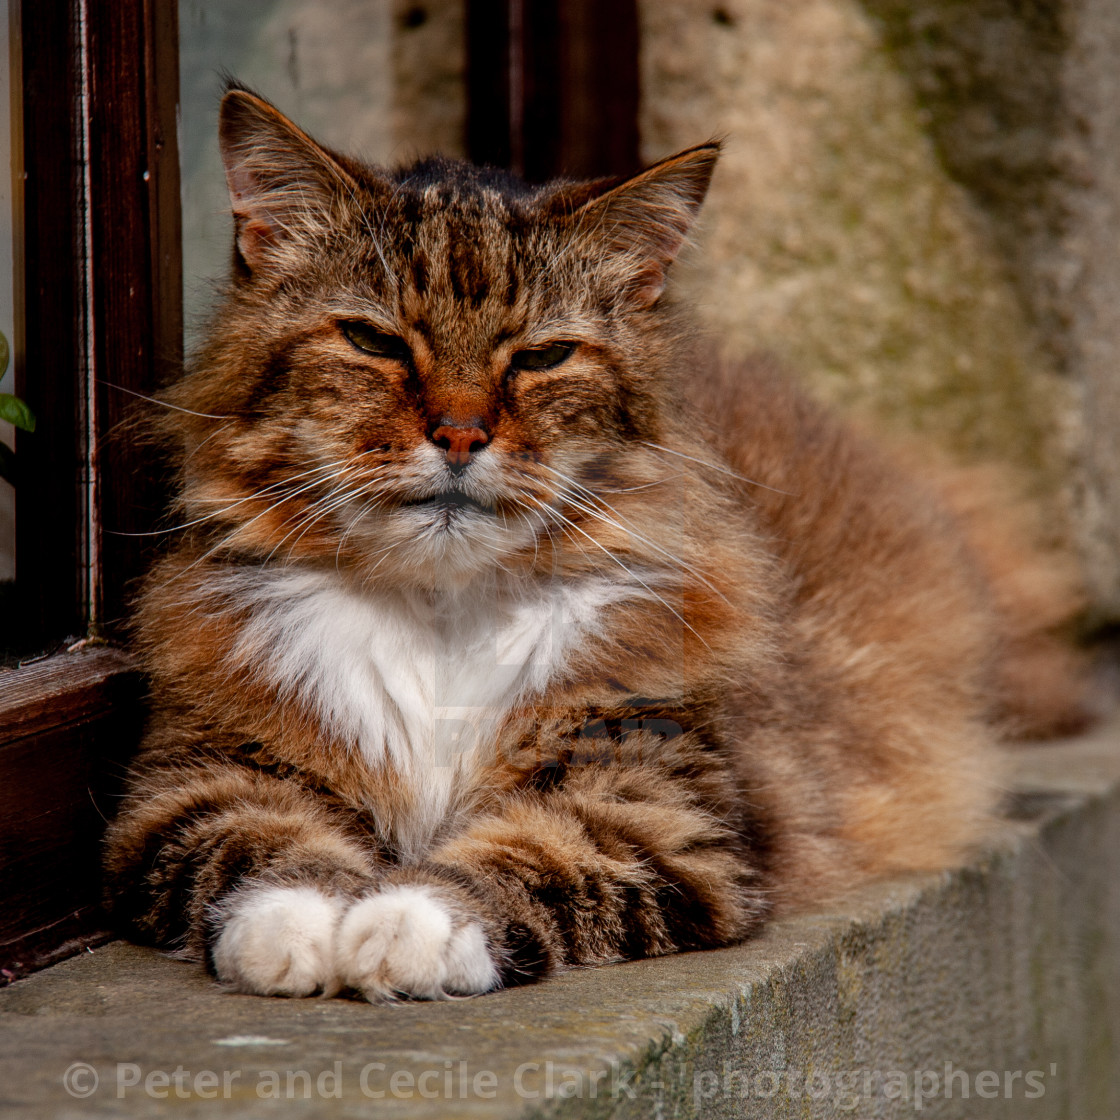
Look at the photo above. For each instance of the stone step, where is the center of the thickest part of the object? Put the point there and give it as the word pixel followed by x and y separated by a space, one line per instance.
pixel 988 991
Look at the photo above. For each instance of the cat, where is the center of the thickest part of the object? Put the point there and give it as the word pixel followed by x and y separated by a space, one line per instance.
pixel 506 630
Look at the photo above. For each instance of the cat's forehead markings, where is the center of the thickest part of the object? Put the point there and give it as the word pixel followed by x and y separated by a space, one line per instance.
pixel 467 270
pixel 409 206
pixel 419 263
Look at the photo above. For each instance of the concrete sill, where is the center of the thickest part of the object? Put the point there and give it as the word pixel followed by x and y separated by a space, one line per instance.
pixel 990 991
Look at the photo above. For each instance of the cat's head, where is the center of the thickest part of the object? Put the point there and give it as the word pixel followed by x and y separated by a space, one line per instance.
pixel 418 369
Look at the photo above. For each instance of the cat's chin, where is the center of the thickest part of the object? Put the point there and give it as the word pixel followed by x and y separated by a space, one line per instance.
pixel 436 544
pixel 447 507
pixel 449 523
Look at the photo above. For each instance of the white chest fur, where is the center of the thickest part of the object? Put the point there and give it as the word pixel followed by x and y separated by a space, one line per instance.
pixel 415 680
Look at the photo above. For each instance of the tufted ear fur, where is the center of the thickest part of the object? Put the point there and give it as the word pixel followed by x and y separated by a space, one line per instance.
pixel 644 221
pixel 282 184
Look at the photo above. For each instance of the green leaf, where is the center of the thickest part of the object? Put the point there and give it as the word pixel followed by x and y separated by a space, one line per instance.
pixel 7 464
pixel 4 354
pixel 16 412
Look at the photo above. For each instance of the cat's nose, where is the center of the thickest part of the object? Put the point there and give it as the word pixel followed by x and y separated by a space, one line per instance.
pixel 459 442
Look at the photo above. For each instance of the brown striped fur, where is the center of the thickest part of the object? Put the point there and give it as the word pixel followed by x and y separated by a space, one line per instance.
pixel 799 654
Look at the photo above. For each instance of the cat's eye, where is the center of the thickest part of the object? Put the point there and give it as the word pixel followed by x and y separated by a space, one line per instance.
pixel 374 342
pixel 542 357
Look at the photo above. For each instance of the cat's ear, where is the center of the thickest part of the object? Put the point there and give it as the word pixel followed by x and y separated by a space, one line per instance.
pixel 643 221
pixel 283 186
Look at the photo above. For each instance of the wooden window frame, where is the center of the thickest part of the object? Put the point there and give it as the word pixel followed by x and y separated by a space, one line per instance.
pixel 99 322
pixel 102 314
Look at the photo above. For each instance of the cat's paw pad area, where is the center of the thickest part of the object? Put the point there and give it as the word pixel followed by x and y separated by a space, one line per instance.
pixel 407 941
pixel 279 941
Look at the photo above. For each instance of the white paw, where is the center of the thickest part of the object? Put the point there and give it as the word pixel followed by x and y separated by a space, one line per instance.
pixel 279 941
pixel 406 941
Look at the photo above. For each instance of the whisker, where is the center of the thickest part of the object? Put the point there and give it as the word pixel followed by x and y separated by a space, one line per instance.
pixel 201 443
pixel 633 575
pixel 162 404
pixel 644 486
pixel 384 553
pixel 628 527
pixel 675 560
pixel 716 467
pixel 238 528
pixel 365 509
pixel 334 500
pixel 232 505
pixel 305 519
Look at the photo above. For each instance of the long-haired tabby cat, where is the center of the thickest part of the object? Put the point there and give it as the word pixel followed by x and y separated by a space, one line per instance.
pixel 505 631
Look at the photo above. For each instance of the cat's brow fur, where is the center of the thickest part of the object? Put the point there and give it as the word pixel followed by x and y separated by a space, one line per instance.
pixel 675 648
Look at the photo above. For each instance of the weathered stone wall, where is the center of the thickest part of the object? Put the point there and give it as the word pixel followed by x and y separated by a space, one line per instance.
pixel 917 212
pixel 1023 102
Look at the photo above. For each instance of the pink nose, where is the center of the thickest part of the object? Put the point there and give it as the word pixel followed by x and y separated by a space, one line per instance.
pixel 459 444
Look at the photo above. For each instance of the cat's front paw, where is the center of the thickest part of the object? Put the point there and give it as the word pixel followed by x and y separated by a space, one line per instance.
pixel 279 941
pixel 407 940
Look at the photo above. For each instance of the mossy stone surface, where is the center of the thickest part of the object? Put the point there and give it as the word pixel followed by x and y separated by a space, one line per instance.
pixel 837 238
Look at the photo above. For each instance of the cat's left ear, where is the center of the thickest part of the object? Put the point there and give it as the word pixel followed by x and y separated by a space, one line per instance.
pixel 645 220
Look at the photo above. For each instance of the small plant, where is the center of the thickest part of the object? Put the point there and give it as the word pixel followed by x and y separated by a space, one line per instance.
pixel 15 412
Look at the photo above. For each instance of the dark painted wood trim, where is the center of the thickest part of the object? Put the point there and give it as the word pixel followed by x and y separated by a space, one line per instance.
pixel 136 275
pixel 67 727
pixel 553 86
pixel 102 301
pixel 67 688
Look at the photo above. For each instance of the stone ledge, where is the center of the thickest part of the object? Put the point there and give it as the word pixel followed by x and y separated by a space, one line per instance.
pixel 1004 974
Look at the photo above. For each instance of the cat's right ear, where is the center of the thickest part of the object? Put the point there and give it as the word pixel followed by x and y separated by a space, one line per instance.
pixel 641 223
pixel 283 186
